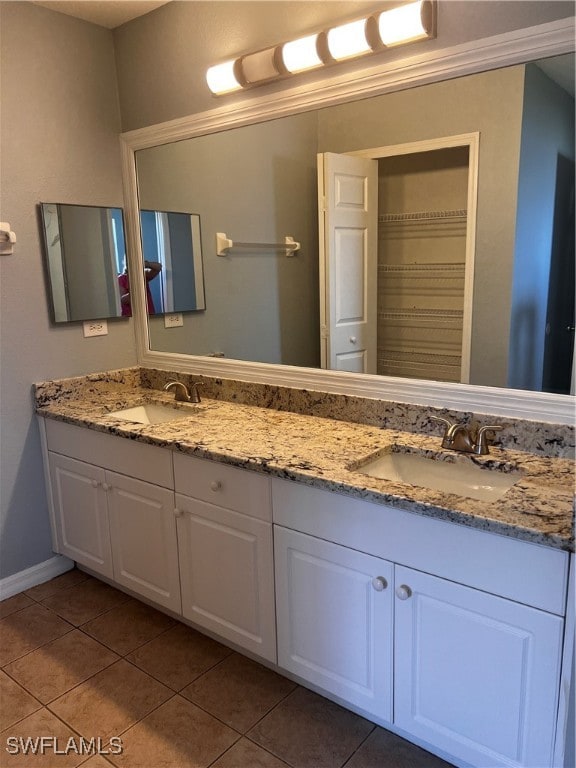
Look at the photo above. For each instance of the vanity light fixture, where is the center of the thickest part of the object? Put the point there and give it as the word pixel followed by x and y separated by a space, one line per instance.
pixel 406 23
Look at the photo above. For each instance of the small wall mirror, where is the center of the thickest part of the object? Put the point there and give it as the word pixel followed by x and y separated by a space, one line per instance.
pixel 172 251
pixel 85 252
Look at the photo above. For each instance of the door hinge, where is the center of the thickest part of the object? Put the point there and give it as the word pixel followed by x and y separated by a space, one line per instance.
pixel 324 332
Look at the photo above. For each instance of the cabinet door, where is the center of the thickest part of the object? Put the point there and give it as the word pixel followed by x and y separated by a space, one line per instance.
pixel 143 534
pixel 334 612
pixel 227 574
pixel 475 675
pixel 80 511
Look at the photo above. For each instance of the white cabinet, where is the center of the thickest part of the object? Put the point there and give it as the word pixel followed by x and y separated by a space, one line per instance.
pixel 80 513
pixel 474 674
pixel 225 551
pixel 477 660
pixel 143 539
pixel 334 612
pixel 116 525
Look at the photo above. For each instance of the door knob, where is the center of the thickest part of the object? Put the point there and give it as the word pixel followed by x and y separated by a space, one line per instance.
pixel 403 592
pixel 379 583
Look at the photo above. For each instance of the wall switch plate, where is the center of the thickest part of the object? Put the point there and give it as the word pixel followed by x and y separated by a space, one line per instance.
pixel 95 328
pixel 174 320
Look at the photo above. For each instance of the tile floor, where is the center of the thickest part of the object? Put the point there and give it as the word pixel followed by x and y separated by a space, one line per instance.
pixel 81 659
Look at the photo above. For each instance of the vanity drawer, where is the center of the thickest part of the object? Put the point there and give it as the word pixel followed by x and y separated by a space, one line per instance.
pixel 224 486
pixel 128 457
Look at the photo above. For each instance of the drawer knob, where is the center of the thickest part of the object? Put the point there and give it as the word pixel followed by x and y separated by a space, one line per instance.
pixel 216 485
pixel 403 592
pixel 95 483
pixel 379 583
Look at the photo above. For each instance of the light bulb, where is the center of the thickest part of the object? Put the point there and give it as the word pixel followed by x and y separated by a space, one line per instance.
pixel 221 78
pixel 301 54
pixel 348 40
pixel 405 23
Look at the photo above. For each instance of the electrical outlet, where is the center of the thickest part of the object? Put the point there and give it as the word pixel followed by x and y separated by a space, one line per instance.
pixel 174 320
pixel 95 328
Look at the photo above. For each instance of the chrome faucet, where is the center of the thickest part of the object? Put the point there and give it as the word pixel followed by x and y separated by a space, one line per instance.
pixel 459 437
pixel 181 392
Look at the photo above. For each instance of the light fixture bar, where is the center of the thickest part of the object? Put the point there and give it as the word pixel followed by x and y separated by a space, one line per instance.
pixel 406 23
pixel 261 66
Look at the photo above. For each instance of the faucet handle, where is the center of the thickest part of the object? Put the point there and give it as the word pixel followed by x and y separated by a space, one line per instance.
pixel 448 426
pixel 194 394
pixel 446 422
pixel 481 445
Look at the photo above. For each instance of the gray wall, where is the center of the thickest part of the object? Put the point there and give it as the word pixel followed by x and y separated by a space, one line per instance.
pixel 547 132
pixel 162 57
pixel 255 184
pixel 59 143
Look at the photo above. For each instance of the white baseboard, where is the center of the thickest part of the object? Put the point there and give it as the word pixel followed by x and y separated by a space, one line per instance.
pixel 37 574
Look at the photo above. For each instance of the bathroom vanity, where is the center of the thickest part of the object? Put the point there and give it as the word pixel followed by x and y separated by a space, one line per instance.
pixel 446 620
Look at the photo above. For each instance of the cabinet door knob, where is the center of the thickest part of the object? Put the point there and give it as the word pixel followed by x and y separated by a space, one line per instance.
pixel 177 512
pixel 403 592
pixel 94 483
pixel 353 339
pixel 216 485
pixel 379 583
pixel 106 487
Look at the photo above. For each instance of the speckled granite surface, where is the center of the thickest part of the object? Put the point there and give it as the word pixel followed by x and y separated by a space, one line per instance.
pixel 323 452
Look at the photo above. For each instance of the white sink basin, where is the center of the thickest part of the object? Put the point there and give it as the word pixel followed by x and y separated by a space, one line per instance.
pixel 152 413
pixel 461 477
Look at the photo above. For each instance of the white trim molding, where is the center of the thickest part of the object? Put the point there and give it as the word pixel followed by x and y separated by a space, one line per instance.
pixel 515 47
pixel 37 574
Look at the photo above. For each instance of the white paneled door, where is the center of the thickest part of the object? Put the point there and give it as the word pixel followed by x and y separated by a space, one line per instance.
pixel 334 613
pixel 475 674
pixel 348 221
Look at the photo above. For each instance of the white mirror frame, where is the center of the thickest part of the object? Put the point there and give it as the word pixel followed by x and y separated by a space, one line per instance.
pixel 521 46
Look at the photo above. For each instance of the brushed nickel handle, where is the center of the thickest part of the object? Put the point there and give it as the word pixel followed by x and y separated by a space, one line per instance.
pixel 379 583
pixel 403 592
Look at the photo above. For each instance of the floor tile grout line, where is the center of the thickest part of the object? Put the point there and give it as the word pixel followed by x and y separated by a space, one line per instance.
pixel 347 761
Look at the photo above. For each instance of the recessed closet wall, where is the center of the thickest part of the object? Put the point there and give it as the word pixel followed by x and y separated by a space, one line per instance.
pixel 422 216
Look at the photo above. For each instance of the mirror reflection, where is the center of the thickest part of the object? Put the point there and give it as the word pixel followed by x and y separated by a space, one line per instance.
pixel 85 252
pixel 173 271
pixel 259 182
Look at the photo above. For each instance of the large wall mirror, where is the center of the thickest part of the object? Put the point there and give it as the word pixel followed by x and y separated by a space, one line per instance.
pixel 85 252
pixel 257 181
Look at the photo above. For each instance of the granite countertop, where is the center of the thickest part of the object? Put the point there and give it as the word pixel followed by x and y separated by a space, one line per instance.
pixel 323 453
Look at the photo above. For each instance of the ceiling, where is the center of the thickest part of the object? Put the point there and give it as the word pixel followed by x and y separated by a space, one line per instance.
pixel 105 13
